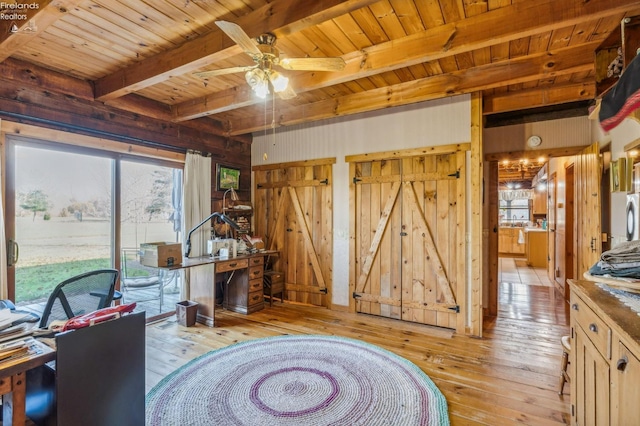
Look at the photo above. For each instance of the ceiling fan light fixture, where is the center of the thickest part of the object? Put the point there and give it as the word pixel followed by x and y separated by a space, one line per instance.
pixel 278 81
pixel 254 77
pixel 262 89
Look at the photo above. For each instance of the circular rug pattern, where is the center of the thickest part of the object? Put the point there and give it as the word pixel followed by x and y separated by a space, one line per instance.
pixel 297 380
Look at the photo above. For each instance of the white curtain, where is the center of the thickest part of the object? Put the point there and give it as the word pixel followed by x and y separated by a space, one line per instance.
pixel 196 203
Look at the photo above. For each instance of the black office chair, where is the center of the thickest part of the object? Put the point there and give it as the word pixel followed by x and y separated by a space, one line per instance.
pixel 79 295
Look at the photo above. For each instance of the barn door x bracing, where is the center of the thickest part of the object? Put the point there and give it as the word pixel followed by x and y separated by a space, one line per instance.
pixel 294 212
pixel 409 237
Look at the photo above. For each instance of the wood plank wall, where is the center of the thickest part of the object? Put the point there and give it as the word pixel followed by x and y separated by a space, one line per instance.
pixel 52 101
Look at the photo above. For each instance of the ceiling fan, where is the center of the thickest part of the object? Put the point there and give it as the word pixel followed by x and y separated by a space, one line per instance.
pixel 266 56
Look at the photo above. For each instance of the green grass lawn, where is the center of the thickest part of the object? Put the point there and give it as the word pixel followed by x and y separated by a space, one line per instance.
pixel 37 282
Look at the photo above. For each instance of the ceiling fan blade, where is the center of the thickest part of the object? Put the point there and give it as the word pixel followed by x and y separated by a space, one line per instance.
pixel 222 71
pixel 312 64
pixel 241 38
pixel 287 93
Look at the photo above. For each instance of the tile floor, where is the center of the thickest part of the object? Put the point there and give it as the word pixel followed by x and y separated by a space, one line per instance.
pixel 516 271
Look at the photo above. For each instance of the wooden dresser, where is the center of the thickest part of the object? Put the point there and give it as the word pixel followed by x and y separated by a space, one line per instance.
pixel 605 358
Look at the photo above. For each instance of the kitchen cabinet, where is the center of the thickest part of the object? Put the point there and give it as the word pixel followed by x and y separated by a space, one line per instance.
pixel 537 247
pixel 605 366
pixel 539 204
pixel 508 241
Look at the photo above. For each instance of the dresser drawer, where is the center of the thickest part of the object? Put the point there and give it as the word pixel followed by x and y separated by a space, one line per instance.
pixel 596 330
pixel 255 298
pixel 255 272
pixel 255 261
pixel 255 285
pixel 231 265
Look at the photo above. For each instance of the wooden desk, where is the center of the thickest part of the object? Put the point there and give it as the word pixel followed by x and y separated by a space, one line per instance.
pixel 13 381
pixel 242 278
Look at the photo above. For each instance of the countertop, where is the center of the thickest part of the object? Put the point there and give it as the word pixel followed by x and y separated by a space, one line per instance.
pixel 534 230
pixel 626 320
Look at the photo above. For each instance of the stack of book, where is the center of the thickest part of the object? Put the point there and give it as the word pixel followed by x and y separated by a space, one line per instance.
pixel 14 349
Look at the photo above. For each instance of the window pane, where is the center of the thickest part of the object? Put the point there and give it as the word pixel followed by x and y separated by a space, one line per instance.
pixel 63 218
pixel 149 214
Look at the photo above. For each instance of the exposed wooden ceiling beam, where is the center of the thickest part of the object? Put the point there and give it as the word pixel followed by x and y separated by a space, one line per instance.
pixel 280 17
pixel 47 13
pixel 519 70
pixel 538 97
pixel 498 26
pixel 533 154
pixel 568 109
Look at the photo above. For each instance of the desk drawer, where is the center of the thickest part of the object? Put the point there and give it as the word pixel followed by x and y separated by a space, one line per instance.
pixel 596 330
pixel 255 285
pixel 255 298
pixel 231 265
pixel 255 272
pixel 257 260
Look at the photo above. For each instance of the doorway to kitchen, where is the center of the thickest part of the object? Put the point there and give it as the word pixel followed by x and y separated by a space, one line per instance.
pixel 522 256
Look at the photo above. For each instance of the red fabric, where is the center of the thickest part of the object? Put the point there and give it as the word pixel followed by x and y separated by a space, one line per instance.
pixel 622 99
pixel 98 316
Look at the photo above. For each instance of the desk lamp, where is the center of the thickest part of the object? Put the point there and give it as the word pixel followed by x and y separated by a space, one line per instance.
pixel 234 197
pixel 221 216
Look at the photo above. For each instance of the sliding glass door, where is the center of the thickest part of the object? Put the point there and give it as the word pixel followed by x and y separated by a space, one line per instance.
pixel 72 210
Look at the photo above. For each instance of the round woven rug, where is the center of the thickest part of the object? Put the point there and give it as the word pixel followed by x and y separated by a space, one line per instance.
pixel 297 380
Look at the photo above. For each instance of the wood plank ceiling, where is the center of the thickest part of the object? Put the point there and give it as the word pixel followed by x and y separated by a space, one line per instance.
pixel 141 56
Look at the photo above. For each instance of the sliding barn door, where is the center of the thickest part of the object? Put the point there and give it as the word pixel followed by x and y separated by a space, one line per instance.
pixel 409 227
pixel 293 214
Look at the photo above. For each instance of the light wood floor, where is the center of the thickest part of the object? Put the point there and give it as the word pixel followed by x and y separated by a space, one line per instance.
pixel 508 377
pixel 516 270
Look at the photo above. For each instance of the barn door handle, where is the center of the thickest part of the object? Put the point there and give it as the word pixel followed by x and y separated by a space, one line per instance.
pixel 593 244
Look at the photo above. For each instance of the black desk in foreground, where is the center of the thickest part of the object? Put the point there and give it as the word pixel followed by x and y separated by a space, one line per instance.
pixel 241 277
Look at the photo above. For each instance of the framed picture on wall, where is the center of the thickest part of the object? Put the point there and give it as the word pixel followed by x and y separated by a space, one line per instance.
pixel 614 173
pixel 621 175
pixel 628 175
pixel 228 178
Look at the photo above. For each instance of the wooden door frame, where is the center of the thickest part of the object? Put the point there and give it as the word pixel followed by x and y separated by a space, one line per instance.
pixel 552 194
pixel 570 261
pixel 491 258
